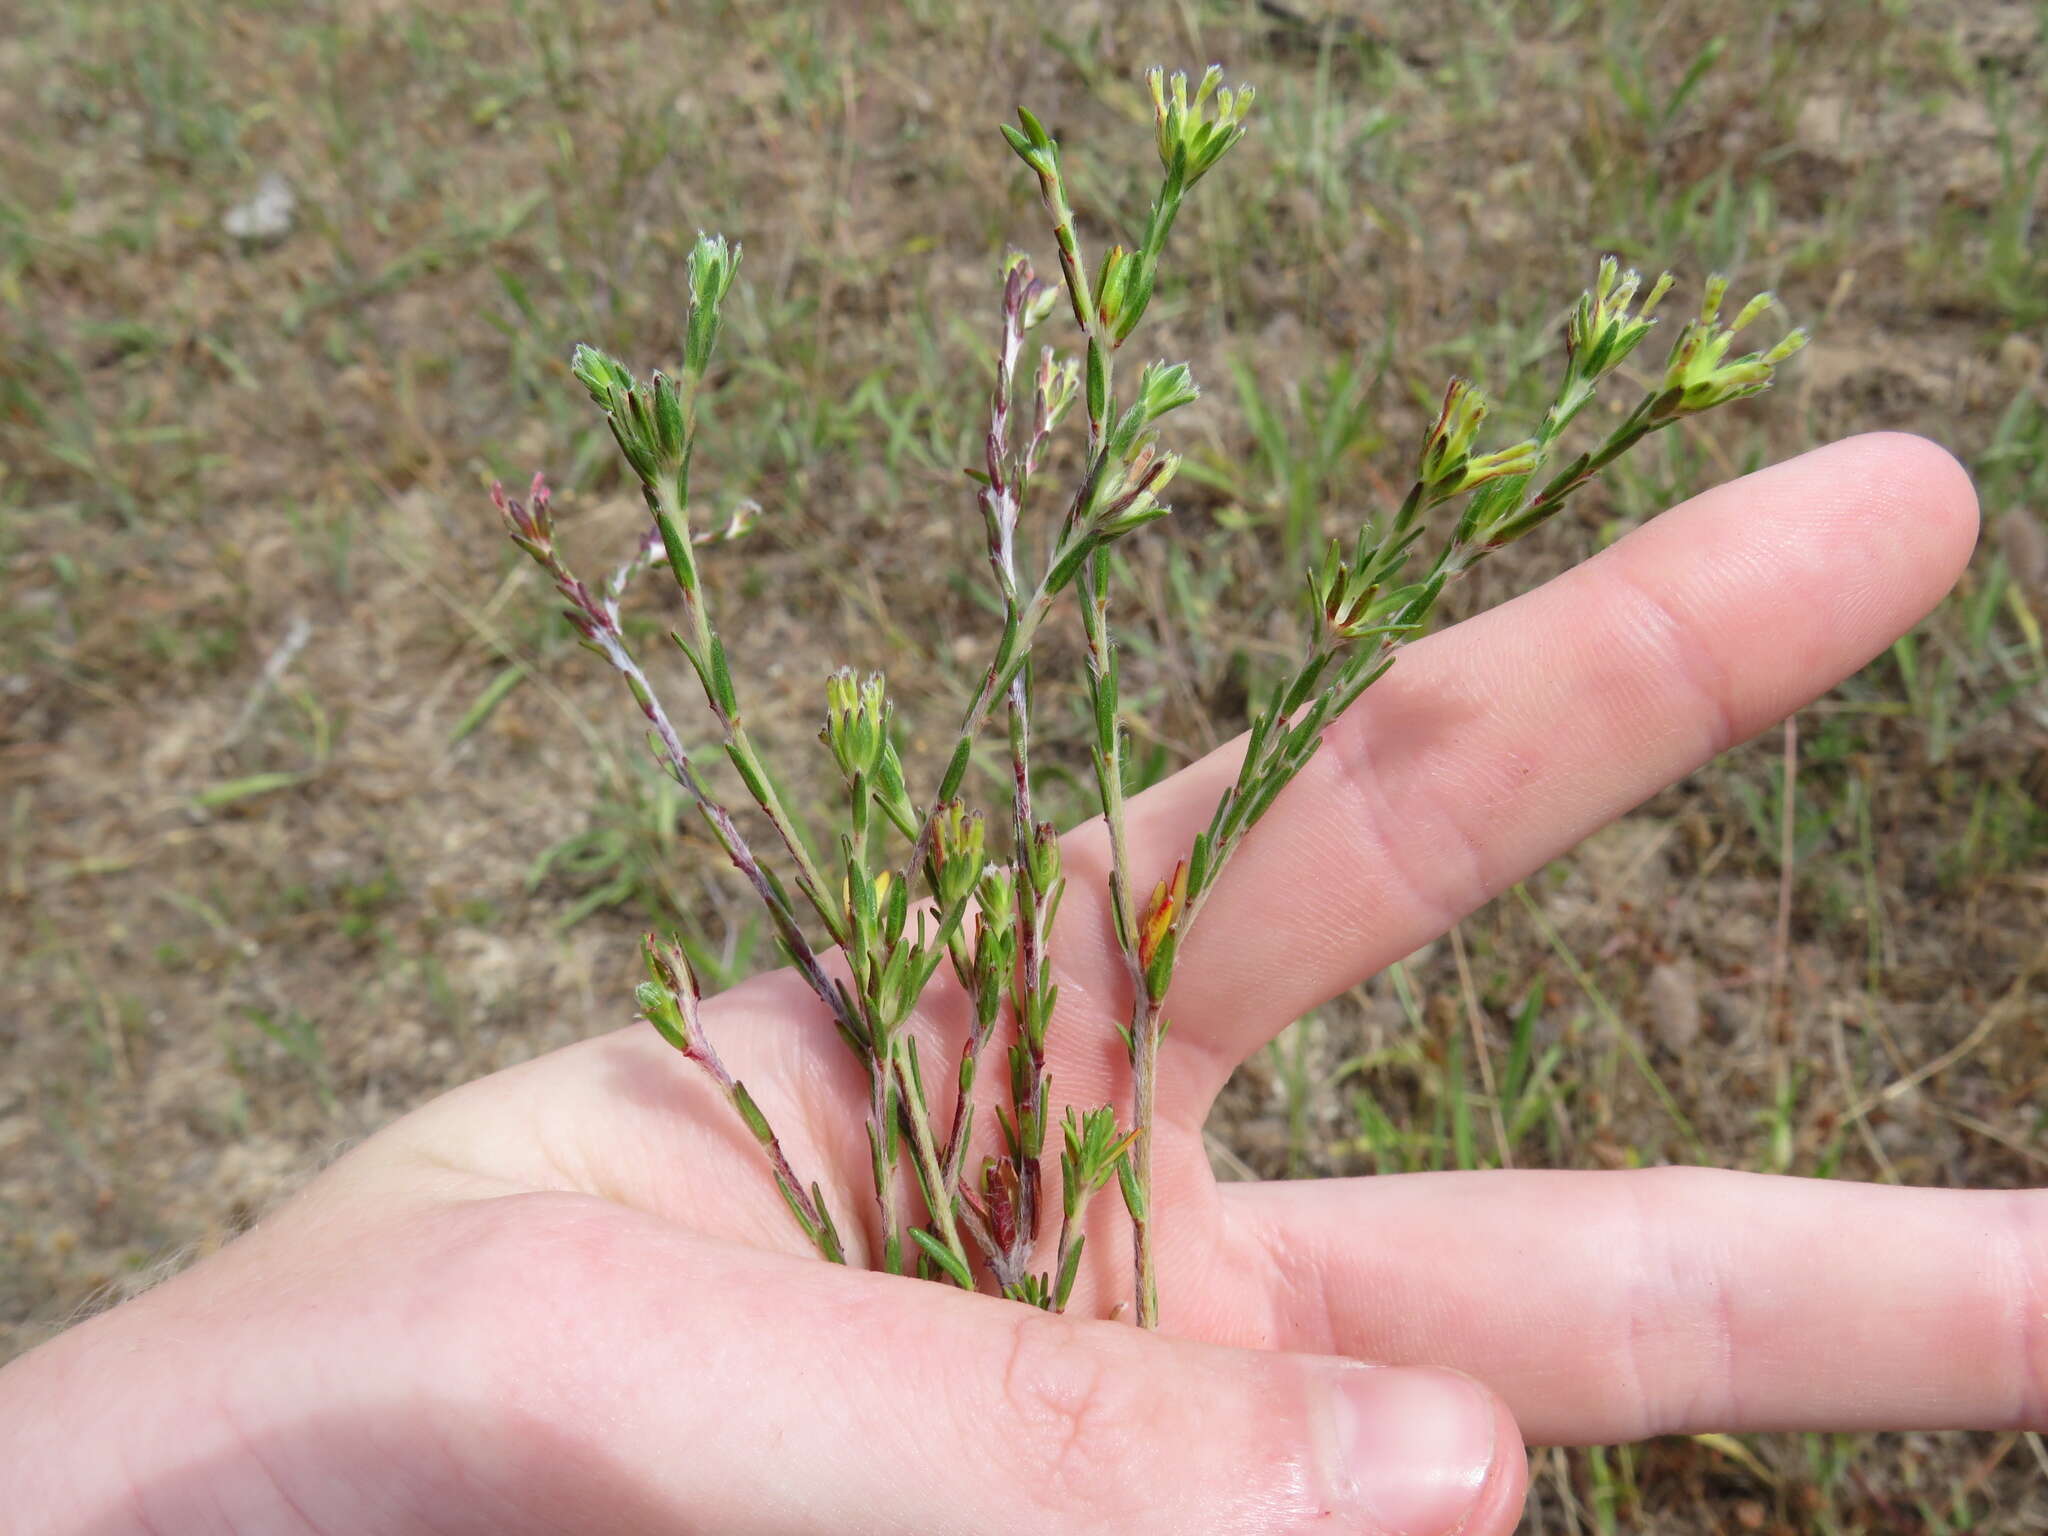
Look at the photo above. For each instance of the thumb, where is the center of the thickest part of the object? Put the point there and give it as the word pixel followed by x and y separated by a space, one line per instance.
pixel 747 1392
pixel 548 1362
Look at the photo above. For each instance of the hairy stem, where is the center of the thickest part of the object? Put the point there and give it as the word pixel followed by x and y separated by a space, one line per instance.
pixel 931 1169
pixel 706 652
pixel 1001 501
pixel 597 620
pixel 808 1205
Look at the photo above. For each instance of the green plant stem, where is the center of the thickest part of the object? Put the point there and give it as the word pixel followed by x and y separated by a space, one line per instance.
pixel 597 619
pixel 1143 1035
pixel 1011 650
pixel 882 1133
pixel 1027 1110
pixel 1009 477
pixel 1282 742
pixel 931 1168
pixel 890 971
pixel 808 1206
pixel 1001 504
pixel 1073 1235
pixel 888 1105
pixel 1146 1016
pixel 598 622
pixel 1144 1031
pixel 1020 626
pixel 707 658
pixel 1147 1019
pixel 1296 716
pixel 883 1100
pixel 1100 395
pixel 1275 752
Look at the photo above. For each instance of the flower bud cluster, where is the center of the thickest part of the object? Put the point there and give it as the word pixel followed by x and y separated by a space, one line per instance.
pixel 1448 467
pixel 1602 330
pixel 713 263
pixel 1201 129
pixel 1700 375
pixel 653 421
pixel 668 998
pixel 647 419
pixel 960 851
pixel 1027 296
pixel 859 732
pixel 531 522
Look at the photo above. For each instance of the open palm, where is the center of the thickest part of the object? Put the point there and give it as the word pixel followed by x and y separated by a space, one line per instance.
pixel 567 1297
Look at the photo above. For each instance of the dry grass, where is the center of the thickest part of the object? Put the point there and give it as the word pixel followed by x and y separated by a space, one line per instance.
pixel 312 810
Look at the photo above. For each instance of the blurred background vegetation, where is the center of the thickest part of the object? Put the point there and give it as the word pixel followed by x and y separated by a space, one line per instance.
pixel 311 808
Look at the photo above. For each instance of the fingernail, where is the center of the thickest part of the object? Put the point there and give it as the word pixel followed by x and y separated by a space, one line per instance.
pixel 1411 1449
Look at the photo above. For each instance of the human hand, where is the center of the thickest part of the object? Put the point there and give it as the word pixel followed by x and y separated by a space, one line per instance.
pixel 567 1297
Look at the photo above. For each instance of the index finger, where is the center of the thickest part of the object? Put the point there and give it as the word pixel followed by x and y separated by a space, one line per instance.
pixel 1495 746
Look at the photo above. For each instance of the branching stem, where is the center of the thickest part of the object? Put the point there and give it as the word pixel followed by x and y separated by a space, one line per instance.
pixel 1365 607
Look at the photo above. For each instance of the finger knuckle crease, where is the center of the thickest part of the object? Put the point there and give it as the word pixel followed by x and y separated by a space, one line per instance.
pixel 1667 637
pixel 1069 1418
pixel 1681 1343
pixel 1410 848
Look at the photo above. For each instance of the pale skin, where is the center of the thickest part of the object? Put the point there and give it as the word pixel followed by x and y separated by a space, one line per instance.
pixel 566 1298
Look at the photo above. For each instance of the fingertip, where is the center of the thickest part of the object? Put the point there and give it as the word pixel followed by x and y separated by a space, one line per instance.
pixel 1920 478
pixel 1906 491
pixel 1936 475
pixel 1789 579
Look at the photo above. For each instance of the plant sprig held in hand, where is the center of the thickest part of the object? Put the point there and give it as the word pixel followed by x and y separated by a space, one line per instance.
pixel 913 886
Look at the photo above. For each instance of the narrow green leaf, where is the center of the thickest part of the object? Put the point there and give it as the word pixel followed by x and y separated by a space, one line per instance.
pixel 794 1201
pixel 1067 564
pixel 875 1161
pixel 956 769
pixel 1159 974
pixel 931 1196
pixel 1262 797
pixel 1039 138
pixel 1070 1267
pixel 916 1073
pixel 750 1112
pixel 721 679
pixel 1198 864
pixel 660 1011
pixel 1134 1198
pixel 675 542
pixel 830 1244
pixel 944 1257
pixel 749 769
pixel 899 908
pixel 1103 696
pixel 1009 1130
pixel 668 416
